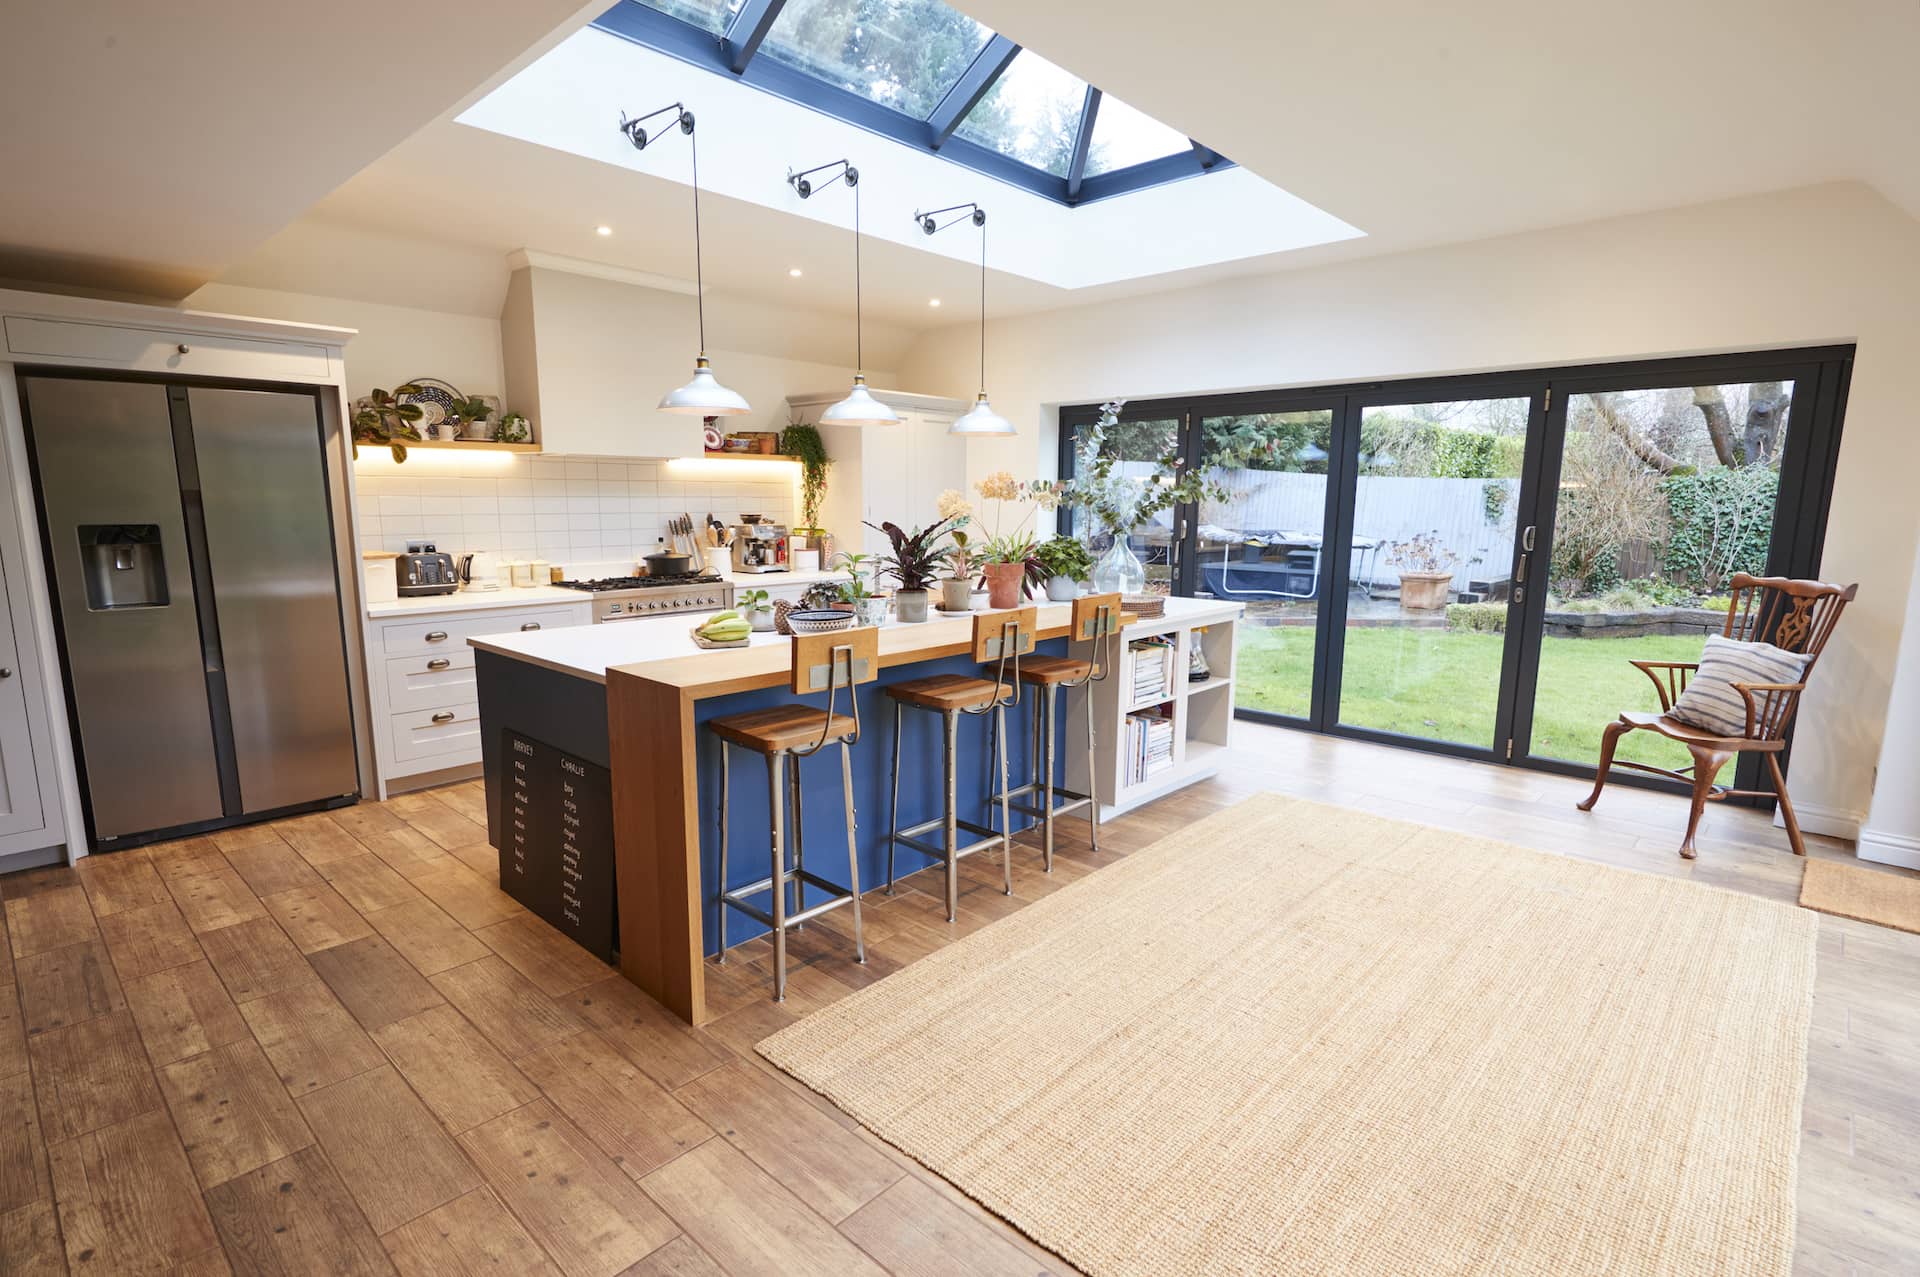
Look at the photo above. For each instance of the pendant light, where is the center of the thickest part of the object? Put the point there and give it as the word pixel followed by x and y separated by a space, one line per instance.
pixel 704 396
pixel 859 408
pixel 981 421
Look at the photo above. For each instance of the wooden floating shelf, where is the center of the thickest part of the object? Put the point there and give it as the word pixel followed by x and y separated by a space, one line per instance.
pixel 467 445
pixel 743 456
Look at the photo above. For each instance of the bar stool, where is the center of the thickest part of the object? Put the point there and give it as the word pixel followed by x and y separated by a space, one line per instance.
pixel 1096 621
pixel 1001 637
pixel 826 662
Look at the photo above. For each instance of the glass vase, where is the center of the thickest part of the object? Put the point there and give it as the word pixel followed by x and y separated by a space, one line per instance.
pixel 1120 569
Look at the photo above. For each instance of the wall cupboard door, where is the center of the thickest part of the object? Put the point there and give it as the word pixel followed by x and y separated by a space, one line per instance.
pixel 20 808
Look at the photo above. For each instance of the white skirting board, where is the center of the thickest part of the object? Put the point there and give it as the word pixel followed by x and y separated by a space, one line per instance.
pixel 1832 822
pixel 1888 849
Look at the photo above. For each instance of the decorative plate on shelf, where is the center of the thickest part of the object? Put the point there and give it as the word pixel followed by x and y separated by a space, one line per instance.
pixel 433 391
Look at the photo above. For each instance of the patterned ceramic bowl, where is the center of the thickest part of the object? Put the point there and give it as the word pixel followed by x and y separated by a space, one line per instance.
pixel 821 621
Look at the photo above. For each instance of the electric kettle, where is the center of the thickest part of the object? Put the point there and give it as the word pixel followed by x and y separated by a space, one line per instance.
pixel 478 570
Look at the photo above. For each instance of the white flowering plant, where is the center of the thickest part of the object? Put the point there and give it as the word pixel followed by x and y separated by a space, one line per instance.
pixel 1118 503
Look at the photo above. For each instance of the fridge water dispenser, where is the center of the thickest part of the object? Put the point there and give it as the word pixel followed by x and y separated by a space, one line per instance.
pixel 123 565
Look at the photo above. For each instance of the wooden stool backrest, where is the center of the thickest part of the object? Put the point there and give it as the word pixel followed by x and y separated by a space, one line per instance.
pixel 1096 619
pixel 1004 637
pixel 827 662
pixel 1798 616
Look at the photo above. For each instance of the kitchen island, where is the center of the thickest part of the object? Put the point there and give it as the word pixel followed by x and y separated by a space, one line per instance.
pixel 604 726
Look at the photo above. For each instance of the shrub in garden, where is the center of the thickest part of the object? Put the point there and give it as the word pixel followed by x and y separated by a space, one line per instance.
pixel 1720 523
pixel 1477 618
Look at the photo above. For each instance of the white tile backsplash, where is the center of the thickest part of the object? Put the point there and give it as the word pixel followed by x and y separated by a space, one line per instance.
pixel 574 511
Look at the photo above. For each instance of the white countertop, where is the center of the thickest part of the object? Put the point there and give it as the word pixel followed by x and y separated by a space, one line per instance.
pixel 588 651
pixel 548 595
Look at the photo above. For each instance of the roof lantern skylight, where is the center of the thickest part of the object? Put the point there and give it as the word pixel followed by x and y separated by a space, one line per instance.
pixel 923 73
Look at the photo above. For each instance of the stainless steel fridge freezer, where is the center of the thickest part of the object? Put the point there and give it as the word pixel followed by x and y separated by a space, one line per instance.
pixel 190 544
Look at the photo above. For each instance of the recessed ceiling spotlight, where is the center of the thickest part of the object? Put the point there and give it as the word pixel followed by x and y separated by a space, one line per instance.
pixel 933 301
pixel 793 271
pixel 603 230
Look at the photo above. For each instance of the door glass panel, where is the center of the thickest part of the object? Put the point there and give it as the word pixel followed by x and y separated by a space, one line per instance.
pixel 1262 546
pixel 1664 494
pixel 1139 445
pixel 1433 536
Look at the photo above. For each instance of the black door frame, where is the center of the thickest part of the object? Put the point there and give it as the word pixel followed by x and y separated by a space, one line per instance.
pixel 1807 470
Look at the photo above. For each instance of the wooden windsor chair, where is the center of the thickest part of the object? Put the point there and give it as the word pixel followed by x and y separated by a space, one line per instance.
pixel 1797 616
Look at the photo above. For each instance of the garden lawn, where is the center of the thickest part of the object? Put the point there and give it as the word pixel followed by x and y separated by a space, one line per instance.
pixel 1443 684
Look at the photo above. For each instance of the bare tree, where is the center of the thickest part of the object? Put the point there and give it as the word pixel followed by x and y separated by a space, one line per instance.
pixel 1612 415
pixel 1766 415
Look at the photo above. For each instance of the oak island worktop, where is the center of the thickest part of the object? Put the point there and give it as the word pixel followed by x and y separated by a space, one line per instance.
pixel 612 715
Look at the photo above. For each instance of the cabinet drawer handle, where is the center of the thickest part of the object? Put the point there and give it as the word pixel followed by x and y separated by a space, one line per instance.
pixel 530 625
pixel 436 636
pixel 438 663
pixel 444 716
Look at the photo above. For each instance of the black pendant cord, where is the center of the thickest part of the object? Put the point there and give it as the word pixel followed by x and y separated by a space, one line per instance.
pixel 699 278
pixel 983 310
pixel 859 348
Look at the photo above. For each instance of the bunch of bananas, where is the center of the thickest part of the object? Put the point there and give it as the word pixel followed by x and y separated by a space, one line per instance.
pixel 725 627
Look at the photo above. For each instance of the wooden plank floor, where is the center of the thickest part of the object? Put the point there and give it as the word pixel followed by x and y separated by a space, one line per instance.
pixel 332 1045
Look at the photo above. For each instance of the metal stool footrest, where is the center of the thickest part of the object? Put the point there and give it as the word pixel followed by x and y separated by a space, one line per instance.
pixel 909 837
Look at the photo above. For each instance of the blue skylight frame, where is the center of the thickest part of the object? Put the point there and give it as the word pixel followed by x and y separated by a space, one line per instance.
pixel 732 54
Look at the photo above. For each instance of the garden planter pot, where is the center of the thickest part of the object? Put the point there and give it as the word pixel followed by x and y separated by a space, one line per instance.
pixel 910 605
pixel 761 619
pixel 956 595
pixel 1003 584
pixel 1062 589
pixel 1425 591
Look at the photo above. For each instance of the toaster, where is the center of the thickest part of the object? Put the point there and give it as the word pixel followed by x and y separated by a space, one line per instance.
pixel 424 570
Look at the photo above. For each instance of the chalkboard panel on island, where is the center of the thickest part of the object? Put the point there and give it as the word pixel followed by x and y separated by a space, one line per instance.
pixel 556 857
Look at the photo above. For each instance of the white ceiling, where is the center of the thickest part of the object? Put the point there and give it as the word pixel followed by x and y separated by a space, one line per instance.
pixel 149 145
pixel 1416 123
pixel 1425 123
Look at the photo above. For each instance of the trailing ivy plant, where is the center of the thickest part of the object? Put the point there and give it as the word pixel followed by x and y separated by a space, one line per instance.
pixel 1721 523
pixel 802 441
pixel 381 418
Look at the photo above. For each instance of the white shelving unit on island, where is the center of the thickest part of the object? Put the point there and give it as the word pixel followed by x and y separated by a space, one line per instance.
pixel 1154 731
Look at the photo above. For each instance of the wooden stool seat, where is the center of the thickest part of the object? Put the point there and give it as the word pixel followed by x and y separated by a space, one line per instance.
pixel 949 692
pixel 783 727
pixel 1051 671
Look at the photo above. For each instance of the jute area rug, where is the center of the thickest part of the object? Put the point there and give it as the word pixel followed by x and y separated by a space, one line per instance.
pixel 1299 1039
pixel 1866 895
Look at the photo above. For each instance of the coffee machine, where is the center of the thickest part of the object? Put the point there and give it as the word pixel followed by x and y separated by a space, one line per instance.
pixel 760 547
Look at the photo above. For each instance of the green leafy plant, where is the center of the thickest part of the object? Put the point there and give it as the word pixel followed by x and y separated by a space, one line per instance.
pixel 963 558
pixel 1020 548
pixel 1064 556
pixel 755 601
pixel 802 441
pixel 859 584
pixel 916 559
pixel 1119 503
pixel 381 418
pixel 1721 523
pixel 1477 618
pixel 474 409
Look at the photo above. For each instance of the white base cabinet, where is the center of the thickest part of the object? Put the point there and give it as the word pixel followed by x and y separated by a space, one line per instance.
pixel 425 703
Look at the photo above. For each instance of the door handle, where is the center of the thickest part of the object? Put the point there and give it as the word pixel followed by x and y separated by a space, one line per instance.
pixel 438 663
pixel 1526 539
pixel 445 716
pixel 530 625
pixel 436 636
pixel 6 671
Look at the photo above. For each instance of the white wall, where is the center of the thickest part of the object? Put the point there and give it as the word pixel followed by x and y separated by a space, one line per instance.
pixel 1821 264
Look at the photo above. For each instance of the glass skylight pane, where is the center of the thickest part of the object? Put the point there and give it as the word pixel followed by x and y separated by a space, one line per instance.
pixel 1031 114
pixel 904 54
pixel 708 15
pixel 1123 137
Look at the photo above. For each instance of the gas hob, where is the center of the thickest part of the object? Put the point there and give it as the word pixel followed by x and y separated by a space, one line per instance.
pixel 635 598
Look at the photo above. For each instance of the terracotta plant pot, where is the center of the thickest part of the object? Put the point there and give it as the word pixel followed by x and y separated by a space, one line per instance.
pixel 956 595
pixel 910 605
pixel 1003 584
pixel 1425 591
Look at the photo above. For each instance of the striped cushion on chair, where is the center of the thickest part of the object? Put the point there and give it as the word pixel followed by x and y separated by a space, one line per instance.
pixel 1710 701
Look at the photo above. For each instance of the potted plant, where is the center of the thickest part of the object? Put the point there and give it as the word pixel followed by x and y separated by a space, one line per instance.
pixel 1426 571
pixel 963 564
pixel 869 606
pixel 913 566
pixel 469 416
pixel 1066 562
pixel 513 428
pixel 381 418
pixel 802 442
pixel 757 607
pixel 1011 562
